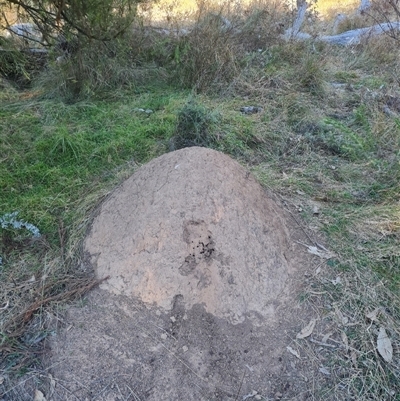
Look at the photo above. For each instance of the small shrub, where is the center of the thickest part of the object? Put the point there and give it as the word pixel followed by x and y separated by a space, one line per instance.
pixel 19 66
pixel 9 221
pixel 96 68
pixel 345 141
pixel 10 226
pixel 311 76
pixel 206 55
pixel 194 127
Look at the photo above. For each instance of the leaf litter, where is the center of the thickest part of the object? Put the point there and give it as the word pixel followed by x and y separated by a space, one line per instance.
pixel 307 331
pixel 384 345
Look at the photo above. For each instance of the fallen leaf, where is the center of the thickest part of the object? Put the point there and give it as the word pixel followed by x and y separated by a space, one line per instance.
pixel 320 253
pixel 307 330
pixel 326 337
pixel 336 281
pixel 324 370
pixel 343 319
pixel 384 345
pixel 318 250
pixel 374 314
pixel 52 386
pixel 353 356
pixel 1 379
pixel 345 340
pixel 39 396
pixel 5 306
pixel 293 352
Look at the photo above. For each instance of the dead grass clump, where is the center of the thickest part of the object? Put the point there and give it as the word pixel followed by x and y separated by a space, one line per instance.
pixel 210 50
pixel 355 309
pixel 23 302
pixel 382 52
pixel 259 25
pixel 193 127
pixel 207 55
pixel 95 67
pixel 353 22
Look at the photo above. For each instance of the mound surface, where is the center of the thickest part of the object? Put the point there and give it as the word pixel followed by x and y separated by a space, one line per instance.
pixel 201 300
pixel 193 224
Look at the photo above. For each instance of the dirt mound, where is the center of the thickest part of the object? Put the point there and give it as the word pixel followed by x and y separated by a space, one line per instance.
pixel 201 299
pixel 193 223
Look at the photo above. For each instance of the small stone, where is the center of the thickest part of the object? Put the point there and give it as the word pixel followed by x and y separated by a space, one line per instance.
pixel 250 109
pixel 258 397
pixel 173 319
pixel 278 395
pixel 164 336
pixel 185 348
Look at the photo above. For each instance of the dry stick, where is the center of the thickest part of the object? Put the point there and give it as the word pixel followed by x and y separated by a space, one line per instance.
pixel 298 223
pixel 24 317
pixel 395 8
pixel 136 397
pixel 240 387
pixel 77 291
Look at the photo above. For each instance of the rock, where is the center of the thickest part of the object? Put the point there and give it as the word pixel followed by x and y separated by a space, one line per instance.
pixel 250 109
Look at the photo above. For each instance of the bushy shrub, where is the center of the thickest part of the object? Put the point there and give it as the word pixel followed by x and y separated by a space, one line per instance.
pixel 97 67
pixel 193 127
pixel 17 65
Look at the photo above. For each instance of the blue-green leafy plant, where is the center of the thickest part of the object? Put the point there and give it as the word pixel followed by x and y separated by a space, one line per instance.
pixel 9 221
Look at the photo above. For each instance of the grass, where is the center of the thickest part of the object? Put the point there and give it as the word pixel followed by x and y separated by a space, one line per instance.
pixel 322 137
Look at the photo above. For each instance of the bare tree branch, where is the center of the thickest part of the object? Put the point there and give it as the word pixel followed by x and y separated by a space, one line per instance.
pixel 298 22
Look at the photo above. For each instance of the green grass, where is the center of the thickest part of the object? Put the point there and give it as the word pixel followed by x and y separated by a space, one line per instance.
pixel 52 153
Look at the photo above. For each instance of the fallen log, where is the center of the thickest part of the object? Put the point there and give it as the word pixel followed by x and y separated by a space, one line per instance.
pixel 352 37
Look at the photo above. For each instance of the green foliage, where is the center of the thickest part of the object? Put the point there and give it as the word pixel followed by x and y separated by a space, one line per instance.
pixel 52 152
pixel 311 77
pixel 301 65
pixel 97 69
pixel 194 126
pixel 206 57
pixel 17 65
pixel 342 139
pixel 345 76
pixel 92 19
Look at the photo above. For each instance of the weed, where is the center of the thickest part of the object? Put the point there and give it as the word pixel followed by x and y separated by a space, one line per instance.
pixel 194 126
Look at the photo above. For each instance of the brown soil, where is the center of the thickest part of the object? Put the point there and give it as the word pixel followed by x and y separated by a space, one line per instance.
pixel 202 300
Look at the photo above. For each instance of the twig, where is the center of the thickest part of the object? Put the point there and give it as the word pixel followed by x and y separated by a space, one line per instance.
pixel 321 343
pixel 240 387
pixel 24 317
